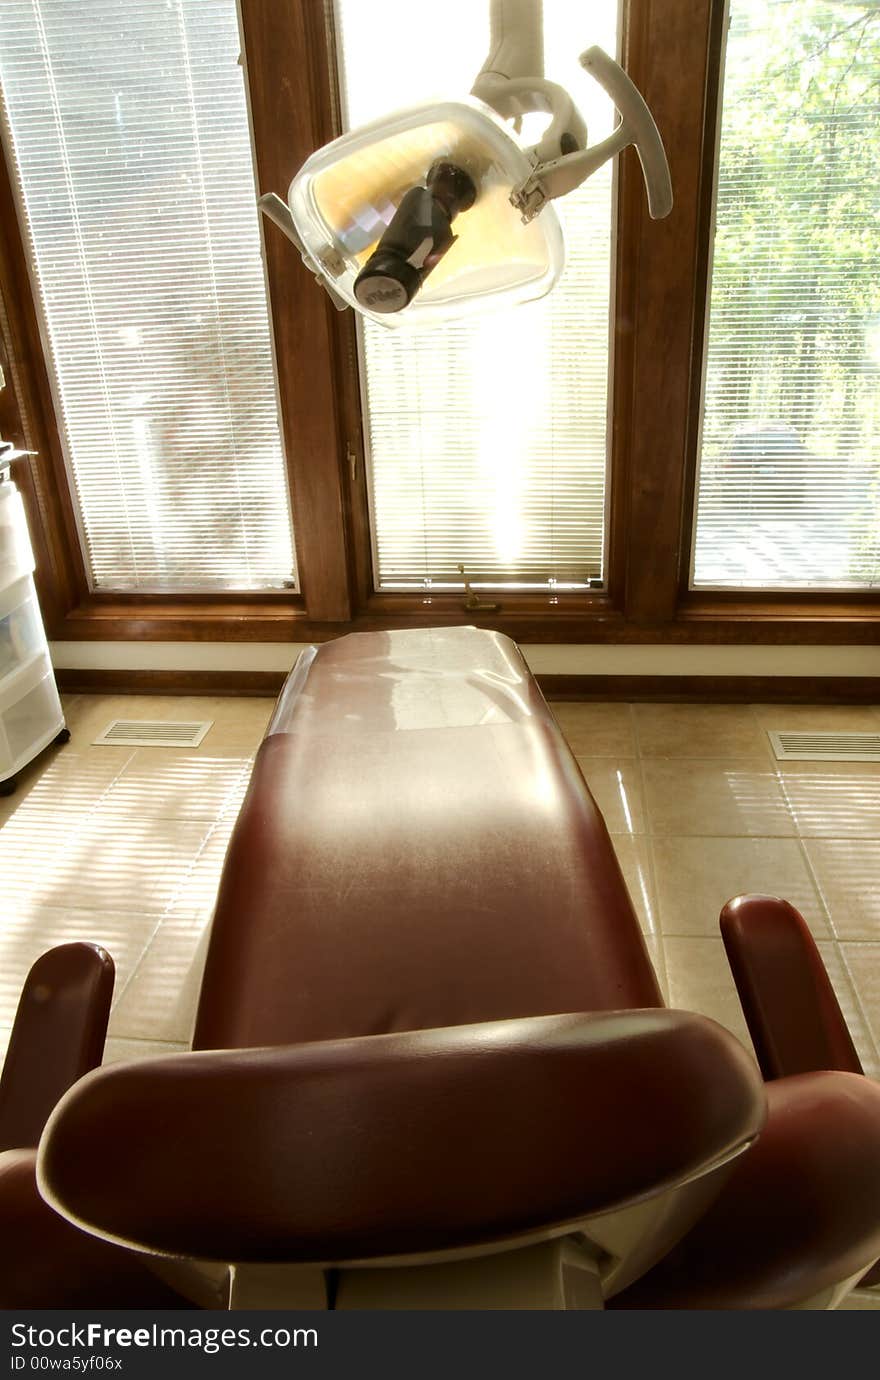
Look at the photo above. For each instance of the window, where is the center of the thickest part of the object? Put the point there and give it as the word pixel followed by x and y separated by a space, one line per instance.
pixel 487 440
pixel 789 481
pixel 486 444
pixel 128 130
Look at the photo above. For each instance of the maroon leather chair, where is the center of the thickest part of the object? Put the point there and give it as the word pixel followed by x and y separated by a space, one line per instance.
pixel 57 1037
pixel 431 1061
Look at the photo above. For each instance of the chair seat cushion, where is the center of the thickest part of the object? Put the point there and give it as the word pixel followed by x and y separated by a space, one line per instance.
pixel 417 849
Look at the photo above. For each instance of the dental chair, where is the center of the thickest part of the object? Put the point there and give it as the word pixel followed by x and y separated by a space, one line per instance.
pixel 431 1065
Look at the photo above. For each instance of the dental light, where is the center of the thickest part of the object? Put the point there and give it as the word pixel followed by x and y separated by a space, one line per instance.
pixel 439 210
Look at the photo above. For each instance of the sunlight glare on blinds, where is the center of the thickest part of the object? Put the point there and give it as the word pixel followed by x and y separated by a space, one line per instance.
pixel 129 132
pixel 789 482
pixel 487 438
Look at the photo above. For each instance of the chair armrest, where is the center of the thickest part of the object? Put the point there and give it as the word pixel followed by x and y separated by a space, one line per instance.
pixel 58 1035
pixel 47 1263
pixel 786 995
pixel 799 1215
pixel 394 1145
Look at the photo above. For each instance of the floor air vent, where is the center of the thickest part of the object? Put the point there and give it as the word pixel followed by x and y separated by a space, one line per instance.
pixel 826 747
pixel 153 733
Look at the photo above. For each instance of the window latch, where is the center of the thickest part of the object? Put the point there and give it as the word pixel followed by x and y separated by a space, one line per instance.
pixel 472 601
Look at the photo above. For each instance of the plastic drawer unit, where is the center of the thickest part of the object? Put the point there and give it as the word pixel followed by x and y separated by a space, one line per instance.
pixel 30 709
pixel 16 555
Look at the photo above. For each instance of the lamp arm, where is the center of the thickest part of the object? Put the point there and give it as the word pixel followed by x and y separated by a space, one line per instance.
pixel 512 80
pixel 516 96
pixel 516 44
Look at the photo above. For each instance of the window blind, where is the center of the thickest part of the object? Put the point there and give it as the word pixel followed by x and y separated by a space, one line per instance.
pixel 128 129
pixel 789 480
pixel 487 439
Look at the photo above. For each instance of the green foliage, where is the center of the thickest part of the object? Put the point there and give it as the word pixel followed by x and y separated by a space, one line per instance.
pixel 795 308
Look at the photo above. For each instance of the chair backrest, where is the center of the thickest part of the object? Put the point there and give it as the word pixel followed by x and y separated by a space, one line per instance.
pixel 417 849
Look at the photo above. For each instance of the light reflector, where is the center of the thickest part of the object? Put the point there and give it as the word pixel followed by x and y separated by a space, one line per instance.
pixel 346 195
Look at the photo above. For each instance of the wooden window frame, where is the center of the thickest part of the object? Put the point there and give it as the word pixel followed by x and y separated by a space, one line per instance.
pixel 661 273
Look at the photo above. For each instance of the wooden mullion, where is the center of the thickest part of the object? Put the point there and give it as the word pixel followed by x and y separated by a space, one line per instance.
pixel 346 359
pixel 345 351
pixel 702 269
pixel 284 58
pixel 625 251
pixel 667 56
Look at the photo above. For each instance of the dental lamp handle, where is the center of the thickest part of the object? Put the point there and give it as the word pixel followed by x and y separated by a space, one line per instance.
pixel 637 126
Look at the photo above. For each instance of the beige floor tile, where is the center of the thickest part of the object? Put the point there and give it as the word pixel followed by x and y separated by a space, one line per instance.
pixel 635 863
pixel 121 1051
pixel 29 933
pixel 123 864
pixel 657 955
pixel 852 1004
pixel 196 897
pixel 616 787
pixel 843 804
pixel 863 963
pixel 596 730
pixel 861 1300
pixel 239 724
pixel 700 980
pixel 70 767
pixel 177 787
pixel 729 797
pixel 65 770
pixel 160 1000
pixel 818 718
pixel 698 730
pixel 696 876
pixel 848 875
pixel 32 843
pixel 8 806
pixel 237 729
pixel 67 780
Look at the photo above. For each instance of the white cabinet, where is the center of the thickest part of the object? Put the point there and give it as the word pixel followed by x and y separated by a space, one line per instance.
pixel 30 710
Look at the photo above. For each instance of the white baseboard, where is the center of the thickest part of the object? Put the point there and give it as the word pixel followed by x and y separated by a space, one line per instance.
pixel 565 659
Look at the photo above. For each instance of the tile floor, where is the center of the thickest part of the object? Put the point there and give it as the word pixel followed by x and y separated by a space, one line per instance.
pixel 124 846
pixel 700 810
